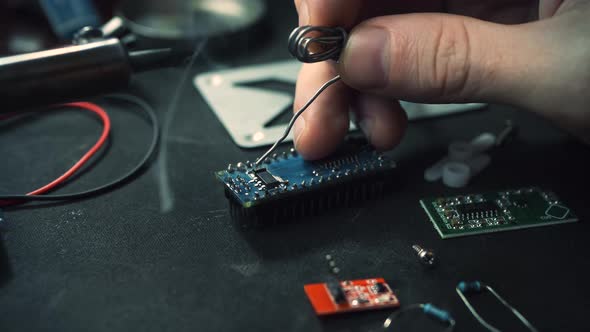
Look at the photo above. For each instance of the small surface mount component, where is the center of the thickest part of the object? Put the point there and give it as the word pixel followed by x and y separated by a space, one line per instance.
pixel 285 186
pixel 344 296
pixel 495 212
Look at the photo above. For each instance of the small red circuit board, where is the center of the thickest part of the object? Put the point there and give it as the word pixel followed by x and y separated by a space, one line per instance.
pixel 359 295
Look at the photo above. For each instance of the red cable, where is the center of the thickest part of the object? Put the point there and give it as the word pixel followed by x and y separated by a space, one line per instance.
pixel 106 121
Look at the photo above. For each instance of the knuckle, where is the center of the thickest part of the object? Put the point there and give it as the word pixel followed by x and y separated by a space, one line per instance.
pixel 402 56
pixel 451 63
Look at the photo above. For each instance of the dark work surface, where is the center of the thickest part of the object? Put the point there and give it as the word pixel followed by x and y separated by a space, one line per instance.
pixel 118 262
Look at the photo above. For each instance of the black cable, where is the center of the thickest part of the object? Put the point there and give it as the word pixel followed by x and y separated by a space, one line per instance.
pixel 121 180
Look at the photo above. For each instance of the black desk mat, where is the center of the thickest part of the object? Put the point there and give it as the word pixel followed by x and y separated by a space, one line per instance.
pixel 118 263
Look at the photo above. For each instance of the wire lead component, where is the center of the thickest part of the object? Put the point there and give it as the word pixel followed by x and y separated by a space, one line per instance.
pixel 428 309
pixel 477 287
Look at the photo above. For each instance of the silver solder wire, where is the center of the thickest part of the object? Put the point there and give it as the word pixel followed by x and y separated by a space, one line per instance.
pixel 294 118
pixel 504 302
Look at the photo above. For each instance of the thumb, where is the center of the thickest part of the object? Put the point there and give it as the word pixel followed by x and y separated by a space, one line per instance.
pixel 440 58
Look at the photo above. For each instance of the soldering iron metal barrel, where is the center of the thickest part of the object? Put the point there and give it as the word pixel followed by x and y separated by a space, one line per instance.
pixel 56 75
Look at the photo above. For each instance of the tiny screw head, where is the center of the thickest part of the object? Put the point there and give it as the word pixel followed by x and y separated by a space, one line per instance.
pixel 427 256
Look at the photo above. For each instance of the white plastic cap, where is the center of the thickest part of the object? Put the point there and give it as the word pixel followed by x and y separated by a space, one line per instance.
pixel 456 174
pixel 434 172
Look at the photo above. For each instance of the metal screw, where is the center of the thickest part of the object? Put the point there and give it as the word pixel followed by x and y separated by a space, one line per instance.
pixel 426 256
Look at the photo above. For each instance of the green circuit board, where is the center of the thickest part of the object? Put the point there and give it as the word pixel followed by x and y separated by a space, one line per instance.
pixel 494 212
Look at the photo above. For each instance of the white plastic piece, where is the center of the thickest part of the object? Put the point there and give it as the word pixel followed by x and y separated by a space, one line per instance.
pixel 478 163
pixel 456 174
pixel 464 152
pixel 460 151
pixel 483 142
pixel 434 172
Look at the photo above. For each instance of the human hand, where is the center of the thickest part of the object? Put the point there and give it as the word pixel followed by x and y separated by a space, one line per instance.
pixel 542 65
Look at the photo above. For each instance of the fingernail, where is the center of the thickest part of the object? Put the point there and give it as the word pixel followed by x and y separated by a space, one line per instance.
pixel 303 13
pixel 367 124
pixel 365 62
pixel 298 129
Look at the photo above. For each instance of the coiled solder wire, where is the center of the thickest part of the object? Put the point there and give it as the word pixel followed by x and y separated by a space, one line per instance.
pixel 311 44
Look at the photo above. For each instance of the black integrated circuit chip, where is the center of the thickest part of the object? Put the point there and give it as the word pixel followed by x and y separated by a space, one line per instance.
pixel 476 208
pixel 381 288
pixel 266 178
pixel 336 291
pixel 520 202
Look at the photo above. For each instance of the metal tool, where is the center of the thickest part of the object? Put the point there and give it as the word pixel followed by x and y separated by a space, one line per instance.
pixel 181 23
pixel 143 35
pixel 51 76
pixel 426 256
pixel 96 63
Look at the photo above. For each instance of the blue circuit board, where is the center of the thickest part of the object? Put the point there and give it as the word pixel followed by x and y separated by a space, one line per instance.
pixel 288 174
